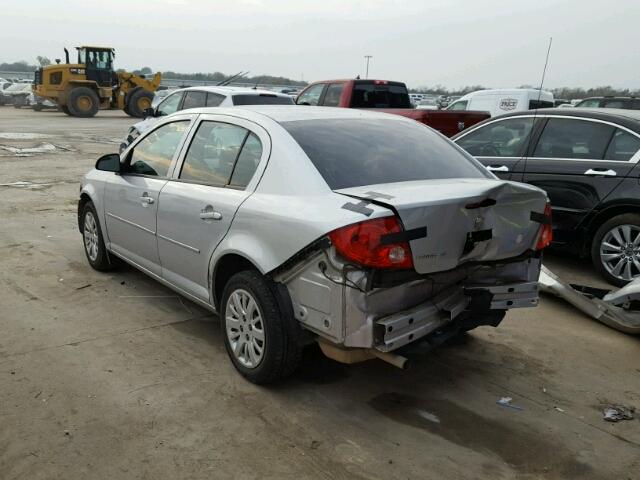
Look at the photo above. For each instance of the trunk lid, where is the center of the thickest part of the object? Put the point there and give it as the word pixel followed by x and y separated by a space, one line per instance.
pixel 465 219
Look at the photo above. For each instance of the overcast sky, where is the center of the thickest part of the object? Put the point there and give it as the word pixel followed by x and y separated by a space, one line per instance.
pixel 421 42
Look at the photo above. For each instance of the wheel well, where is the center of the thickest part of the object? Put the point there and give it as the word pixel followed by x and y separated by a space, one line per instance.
pixel 84 198
pixel 601 218
pixel 226 268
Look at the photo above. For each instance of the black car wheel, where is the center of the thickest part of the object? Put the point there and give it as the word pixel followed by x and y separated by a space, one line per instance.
pixel 615 250
pixel 259 331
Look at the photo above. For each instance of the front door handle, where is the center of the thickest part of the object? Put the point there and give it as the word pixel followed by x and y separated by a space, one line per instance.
pixel 209 213
pixel 146 199
pixel 501 168
pixel 600 172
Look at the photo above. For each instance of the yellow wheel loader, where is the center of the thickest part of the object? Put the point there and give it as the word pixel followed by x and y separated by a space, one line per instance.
pixel 81 89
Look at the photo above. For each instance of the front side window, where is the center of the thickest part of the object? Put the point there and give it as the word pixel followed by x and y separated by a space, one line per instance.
pixel 576 139
pixel 459 105
pixel 506 138
pixel 311 96
pixel 213 153
pixel 356 152
pixel 622 147
pixel 332 97
pixel 194 99
pixel 170 104
pixel 153 155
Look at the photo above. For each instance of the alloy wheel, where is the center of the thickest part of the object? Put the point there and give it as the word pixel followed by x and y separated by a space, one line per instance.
pixel 244 328
pixel 620 252
pixel 91 236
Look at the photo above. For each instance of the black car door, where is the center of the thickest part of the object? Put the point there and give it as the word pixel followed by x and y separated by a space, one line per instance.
pixel 499 145
pixel 578 162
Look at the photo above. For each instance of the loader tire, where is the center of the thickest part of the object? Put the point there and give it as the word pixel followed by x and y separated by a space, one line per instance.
pixel 83 102
pixel 138 101
pixel 64 109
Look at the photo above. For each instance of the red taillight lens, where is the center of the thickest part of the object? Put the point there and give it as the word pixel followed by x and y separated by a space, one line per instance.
pixel 546 232
pixel 361 243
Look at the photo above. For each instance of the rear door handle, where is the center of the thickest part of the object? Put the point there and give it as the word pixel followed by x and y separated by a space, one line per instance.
pixel 209 213
pixel 146 199
pixel 501 168
pixel 600 172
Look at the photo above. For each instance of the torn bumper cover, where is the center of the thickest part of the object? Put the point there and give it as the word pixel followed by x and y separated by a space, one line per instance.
pixel 359 308
pixel 619 309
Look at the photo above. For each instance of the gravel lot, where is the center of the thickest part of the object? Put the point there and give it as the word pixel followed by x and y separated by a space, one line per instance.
pixel 114 376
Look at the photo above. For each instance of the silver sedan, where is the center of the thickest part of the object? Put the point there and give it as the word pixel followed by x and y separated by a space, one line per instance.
pixel 365 232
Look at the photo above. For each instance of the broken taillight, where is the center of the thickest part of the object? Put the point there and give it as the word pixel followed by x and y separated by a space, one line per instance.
pixel 367 243
pixel 546 232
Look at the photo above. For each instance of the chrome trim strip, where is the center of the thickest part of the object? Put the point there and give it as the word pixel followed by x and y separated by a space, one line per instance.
pixel 180 244
pixel 631 161
pixel 131 223
pixel 634 159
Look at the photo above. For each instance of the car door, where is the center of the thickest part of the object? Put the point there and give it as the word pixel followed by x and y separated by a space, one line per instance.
pixel 131 198
pixel 573 162
pixel 500 145
pixel 213 178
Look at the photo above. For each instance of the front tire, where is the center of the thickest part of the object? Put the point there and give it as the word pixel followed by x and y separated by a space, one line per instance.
pixel 615 250
pixel 260 333
pixel 83 102
pixel 93 240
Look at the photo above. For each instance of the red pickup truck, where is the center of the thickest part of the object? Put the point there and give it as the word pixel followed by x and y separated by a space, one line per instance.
pixel 389 97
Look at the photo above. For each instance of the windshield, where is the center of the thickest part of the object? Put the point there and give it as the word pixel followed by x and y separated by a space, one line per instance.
pixel 355 152
pixel 379 95
pixel 262 99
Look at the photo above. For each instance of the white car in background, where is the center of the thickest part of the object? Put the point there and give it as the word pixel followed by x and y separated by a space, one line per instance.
pixel 199 97
pixel 505 100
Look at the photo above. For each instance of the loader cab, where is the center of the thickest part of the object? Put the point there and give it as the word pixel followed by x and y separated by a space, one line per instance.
pixel 98 63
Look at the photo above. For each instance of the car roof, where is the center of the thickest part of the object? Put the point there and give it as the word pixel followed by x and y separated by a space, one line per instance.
pixel 626 118
pixel 292 113
pixel 224 90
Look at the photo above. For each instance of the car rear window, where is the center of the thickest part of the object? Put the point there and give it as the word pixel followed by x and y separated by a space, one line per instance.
pixel 356 152
pixel 379 95
pixel 261 99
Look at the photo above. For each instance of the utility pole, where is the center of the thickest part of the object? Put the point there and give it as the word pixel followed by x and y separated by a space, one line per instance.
pixel 367 57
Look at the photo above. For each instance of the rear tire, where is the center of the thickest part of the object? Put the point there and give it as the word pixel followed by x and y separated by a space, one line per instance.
pixel 93 240
pixel 37 107
pixel 615 257
pixel 260 333
pixel 83 102
pixel 64 109
pixel 138 101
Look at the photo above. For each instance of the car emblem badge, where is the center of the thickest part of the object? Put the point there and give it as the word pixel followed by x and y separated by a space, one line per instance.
pixel 478 222
pixel 460 126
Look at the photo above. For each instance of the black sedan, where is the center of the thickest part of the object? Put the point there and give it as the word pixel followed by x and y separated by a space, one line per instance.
pixel 587 161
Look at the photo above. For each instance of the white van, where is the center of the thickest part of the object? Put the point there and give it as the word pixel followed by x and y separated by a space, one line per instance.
pixel 504 100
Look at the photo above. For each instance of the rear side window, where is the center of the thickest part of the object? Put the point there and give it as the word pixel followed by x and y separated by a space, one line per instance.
pixel 194 99
pixel 261 99
pixel 356 152
pixel 247 162
pixel 214 99
pixel 623 146
pixel 370 95
pixel 616 103
pixel 153 155
pixel 332 95
pixel 505 138
pixel 534 104
pixel 577 139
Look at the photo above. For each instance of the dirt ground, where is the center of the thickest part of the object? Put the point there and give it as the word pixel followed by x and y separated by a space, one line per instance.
pixel 114 376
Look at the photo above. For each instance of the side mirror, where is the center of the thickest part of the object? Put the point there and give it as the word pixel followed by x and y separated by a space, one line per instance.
pixel 148 112
pixel 109 163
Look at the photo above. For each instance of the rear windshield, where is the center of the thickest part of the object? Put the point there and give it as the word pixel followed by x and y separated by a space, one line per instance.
pixel 262 99
pixel 370 95
pixel 356 152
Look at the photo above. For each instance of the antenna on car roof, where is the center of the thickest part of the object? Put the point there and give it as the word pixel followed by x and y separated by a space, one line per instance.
pixel 535 113
pixel 228 80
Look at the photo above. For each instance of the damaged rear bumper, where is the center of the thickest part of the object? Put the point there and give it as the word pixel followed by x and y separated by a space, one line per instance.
pixel 352 308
